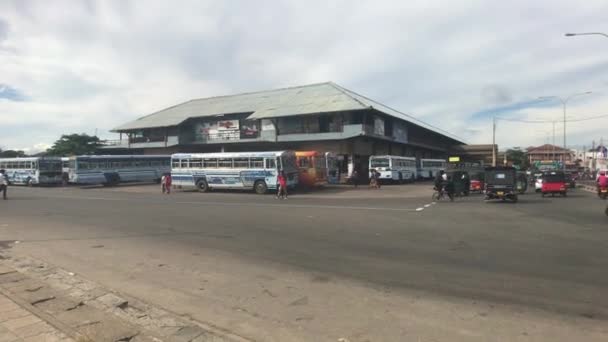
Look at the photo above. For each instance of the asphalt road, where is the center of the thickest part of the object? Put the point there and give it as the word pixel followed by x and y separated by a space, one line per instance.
pixel 363 265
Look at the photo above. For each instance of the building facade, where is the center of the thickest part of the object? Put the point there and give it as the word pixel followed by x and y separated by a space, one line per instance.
pixel 323 117
pixel 552 153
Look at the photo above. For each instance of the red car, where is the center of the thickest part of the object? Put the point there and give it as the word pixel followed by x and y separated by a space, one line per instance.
pixel 476 185
pixel 554 182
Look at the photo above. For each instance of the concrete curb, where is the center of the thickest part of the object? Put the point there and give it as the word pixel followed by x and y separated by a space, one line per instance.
pixel 126 315
pixel 67 330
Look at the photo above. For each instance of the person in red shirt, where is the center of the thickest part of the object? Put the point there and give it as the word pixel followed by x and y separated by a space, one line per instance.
pixel 167 183
pixel 282 191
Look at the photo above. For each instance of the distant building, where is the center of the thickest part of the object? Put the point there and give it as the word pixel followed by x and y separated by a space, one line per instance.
pixel 549 152
pixel 594 159
pixel 324 117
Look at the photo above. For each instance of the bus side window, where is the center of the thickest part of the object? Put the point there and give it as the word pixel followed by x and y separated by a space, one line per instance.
pixel 257 163
pixel 241 163
pixel 196 163
pixel 270 163
pixel 184 163
pixel 225 163
pixel 210 163
pixel 175 163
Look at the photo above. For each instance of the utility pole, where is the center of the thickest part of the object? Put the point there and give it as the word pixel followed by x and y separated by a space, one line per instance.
pixel 553 141
pixel 564 102
pixel 593 156
pixel 494 141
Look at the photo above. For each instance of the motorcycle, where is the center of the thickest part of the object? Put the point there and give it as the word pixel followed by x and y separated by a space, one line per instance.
pixel 602 192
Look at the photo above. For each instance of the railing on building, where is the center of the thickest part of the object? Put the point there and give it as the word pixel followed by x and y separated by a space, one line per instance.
pixel 135 140
pixel 115 142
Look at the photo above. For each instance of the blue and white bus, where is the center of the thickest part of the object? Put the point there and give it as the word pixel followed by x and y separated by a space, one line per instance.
pixel 257 171
pixel 32 170
pixel 111 170
pixel 394 168
pixel 429 168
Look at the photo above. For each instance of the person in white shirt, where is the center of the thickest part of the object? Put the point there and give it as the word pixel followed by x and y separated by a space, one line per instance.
pixel 3 183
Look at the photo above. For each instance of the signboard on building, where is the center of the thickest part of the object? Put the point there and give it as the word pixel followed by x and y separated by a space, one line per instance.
pixel 249 129
pixel 228 125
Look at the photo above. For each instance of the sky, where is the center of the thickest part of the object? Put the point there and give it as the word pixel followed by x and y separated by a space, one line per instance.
pixel 89 66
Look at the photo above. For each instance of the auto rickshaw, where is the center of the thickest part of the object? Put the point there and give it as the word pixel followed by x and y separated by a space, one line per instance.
pixel 554 182
pixel 500 183
pixel 461 182
pixel 477 182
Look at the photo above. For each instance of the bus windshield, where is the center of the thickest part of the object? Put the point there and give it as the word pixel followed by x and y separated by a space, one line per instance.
pixel 380 162
pixel 49 165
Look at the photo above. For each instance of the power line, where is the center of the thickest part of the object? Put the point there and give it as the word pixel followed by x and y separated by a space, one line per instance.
pixel 549 121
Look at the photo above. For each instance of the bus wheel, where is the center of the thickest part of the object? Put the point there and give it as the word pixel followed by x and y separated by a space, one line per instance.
pixel 202 186
pixel 260 187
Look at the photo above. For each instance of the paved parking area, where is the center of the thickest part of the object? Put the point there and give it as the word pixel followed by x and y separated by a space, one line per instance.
pixel 354 264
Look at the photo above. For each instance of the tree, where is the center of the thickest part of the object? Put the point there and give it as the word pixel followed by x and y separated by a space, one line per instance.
pixel 74 144
pixel 518 157
pixel 11 153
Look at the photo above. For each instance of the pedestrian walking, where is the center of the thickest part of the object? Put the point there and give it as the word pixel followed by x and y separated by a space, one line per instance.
pixel 282 185
pixel 354 178
pixel 373 181
pixel 162 183
pixel 167 183
pixel 3 183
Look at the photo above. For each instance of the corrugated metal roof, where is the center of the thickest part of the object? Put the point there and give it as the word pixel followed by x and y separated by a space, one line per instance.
pixel 314 98
pixel 308 99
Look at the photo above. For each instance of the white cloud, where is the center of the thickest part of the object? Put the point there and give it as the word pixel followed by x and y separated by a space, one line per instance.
pixel 87 65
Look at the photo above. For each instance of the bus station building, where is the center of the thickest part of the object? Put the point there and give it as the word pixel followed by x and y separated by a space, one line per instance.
pixel 324 117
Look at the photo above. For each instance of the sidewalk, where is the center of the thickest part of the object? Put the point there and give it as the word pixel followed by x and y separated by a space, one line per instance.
pixel 17 325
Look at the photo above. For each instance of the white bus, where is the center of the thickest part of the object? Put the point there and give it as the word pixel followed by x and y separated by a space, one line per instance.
pixel 395 168
pixel 237 170
pixel 33 170
pixel 429 168
pixel 111 170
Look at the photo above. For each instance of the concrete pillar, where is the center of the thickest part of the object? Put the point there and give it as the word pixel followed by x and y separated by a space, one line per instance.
pixel 351 164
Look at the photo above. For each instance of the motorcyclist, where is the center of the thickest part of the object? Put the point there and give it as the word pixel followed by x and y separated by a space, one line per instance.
pixel 602 181
pixel 439 180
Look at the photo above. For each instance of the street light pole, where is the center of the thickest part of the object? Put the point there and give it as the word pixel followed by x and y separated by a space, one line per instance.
pixel 494 141
pixel 564 104
pixel 586 34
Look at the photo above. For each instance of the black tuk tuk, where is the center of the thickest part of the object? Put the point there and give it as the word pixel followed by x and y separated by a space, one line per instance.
pixel 501 183
pixel 461 181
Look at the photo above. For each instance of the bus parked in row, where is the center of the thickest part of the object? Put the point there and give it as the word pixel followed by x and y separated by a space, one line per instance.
pixel 394 168
pixel 32 170
pixel 429 168
pixel 256 171
pixel 333 169
pixel 114 169
pixel 312 167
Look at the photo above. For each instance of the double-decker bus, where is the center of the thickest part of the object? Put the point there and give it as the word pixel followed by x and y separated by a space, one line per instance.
pixel 312 167
pixel 32 170
pixel 429 168
pixel 257 171
pixel 114 169
pixel 394 168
